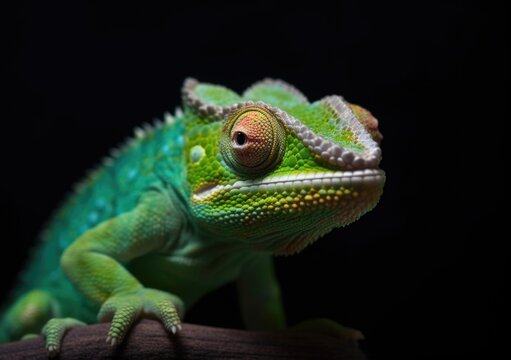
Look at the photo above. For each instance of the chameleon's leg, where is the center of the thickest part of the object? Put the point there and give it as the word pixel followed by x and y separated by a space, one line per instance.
pixel 54 330
pixel 28 314
pixel 259 295
pixel 94 264
pixel 262 309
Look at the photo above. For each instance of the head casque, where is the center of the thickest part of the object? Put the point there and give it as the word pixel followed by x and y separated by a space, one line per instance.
pixel 275 171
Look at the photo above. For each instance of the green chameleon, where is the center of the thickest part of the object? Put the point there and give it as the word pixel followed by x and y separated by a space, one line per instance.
pixel 201 199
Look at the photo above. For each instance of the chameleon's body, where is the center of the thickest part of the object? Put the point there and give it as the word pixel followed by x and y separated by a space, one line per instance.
pixel 199 200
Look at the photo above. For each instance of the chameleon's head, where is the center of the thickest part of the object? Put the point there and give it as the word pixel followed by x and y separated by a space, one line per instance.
pixel 275 171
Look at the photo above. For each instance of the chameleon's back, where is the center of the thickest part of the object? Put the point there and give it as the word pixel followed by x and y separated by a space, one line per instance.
pixel 154 154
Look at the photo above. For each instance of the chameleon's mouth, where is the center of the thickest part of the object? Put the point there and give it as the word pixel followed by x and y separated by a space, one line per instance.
pixel 357 179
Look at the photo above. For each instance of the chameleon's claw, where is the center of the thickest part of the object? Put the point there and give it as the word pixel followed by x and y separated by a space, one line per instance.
pixel 172 326
pixel 52 351
pixel 113 341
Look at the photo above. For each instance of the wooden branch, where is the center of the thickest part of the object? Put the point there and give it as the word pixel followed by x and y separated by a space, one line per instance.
pixel 149 340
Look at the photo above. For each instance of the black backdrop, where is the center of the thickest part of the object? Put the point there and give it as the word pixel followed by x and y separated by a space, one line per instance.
pixel 420 274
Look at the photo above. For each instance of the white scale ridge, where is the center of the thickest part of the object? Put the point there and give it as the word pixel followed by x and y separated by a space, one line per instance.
pixel 300 181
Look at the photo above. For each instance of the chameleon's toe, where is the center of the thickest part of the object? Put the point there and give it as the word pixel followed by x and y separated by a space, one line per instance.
pixel 162 306
pixel 52 350
pixel 54 331
pixel 124 309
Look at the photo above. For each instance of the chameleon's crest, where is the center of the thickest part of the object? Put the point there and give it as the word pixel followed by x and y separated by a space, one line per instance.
pixel 354 148
pixel 208 100
pixel 275 91
pixel 214 101
pixel 343 117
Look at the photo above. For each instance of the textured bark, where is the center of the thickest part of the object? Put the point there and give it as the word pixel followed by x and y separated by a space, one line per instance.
pixel 148 340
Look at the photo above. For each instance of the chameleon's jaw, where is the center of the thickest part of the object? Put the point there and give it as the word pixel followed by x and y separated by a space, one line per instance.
pixel 358 179
pixel 284 214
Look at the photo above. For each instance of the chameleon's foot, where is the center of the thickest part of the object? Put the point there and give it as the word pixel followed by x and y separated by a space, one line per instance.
pixel 54 330
pixel 124 308
pixel 331 328
pixel 28 315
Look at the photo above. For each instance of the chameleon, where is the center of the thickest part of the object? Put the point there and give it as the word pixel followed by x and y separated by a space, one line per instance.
pixel 204 197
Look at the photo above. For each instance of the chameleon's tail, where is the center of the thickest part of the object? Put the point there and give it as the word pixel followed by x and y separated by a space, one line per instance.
pixel 27 315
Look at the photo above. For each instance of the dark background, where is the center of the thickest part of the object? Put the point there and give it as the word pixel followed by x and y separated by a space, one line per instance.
pixel 420 275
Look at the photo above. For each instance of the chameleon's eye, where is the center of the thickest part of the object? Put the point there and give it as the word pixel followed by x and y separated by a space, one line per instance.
pixel 253 141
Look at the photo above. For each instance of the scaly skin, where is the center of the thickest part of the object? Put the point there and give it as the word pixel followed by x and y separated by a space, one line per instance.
pixel 202 199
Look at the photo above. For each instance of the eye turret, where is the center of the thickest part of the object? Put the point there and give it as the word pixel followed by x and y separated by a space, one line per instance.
pixel 253 141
